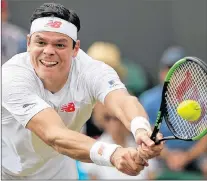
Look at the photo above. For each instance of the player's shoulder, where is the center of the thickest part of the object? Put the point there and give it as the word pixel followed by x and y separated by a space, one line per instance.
pixel 18 61
pixel 19 65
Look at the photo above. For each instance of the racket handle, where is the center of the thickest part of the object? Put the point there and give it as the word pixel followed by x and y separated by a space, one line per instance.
pixel 157 142
pixel 155 131
pixel 154 134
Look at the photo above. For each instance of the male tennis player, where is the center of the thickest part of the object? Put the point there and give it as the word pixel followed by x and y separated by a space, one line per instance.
pixel 49 92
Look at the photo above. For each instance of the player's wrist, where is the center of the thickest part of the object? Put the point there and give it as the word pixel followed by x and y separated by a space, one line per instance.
pixel 101 153
pixel 139 123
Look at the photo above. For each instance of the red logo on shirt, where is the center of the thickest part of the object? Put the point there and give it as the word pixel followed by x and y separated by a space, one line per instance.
pixel 54 24
pixel 70 107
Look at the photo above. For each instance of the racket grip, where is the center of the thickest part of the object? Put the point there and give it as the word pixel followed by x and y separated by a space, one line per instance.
pixel 153 136
pixel 157 142
pixel 154 133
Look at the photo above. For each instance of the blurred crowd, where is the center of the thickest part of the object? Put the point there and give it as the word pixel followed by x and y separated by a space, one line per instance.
pixel 13 37
pixel 179 159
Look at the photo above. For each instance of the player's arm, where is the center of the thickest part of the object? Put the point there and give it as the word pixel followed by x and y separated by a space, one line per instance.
pixel 106 87
pixel 124 106
pixel 132 114
pixel 48 125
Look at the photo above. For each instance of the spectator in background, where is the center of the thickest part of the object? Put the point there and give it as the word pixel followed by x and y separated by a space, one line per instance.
pixel 113 56
pixel 198 151
pixel 13 37
pixel 137 79
pixel 151 100
pixel 115 133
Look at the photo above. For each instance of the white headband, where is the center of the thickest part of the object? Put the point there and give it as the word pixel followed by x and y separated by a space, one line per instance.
pixel 54 24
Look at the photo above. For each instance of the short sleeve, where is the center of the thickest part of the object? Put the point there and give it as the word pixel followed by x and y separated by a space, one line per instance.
pixel 20 94
pixel 101 80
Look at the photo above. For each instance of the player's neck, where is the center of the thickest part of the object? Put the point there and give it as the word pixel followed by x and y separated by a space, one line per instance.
pixel 54 85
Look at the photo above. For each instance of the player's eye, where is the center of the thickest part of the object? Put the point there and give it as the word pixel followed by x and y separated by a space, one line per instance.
pixel 60 45
pixel 41 43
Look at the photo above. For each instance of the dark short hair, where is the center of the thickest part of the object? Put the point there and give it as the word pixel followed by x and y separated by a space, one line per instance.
pixel 56 10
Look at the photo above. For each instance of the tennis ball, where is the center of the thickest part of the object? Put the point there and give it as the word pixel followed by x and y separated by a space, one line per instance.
pixel 189 110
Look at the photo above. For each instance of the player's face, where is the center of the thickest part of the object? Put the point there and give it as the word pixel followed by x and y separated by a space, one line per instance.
pixel 51 54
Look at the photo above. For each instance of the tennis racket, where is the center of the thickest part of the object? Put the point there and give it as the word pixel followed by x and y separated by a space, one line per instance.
pixel 186 80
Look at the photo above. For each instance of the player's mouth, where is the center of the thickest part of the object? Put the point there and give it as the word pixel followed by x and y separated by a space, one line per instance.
pixel 48 63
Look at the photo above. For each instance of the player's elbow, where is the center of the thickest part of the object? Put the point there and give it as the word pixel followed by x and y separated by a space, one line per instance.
pixel 47 136
pixel 56 139
pixel 50 139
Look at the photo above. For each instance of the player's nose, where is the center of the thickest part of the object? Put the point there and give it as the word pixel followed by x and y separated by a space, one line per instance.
pixel 49 50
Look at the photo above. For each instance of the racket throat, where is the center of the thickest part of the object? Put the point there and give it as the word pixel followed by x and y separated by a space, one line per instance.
pixel 166 138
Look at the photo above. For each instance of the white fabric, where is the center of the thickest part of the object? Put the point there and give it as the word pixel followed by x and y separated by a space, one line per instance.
pixel 23 96
pixel 54 24
pixel 101 152
pixel 102 172
pixel 140 123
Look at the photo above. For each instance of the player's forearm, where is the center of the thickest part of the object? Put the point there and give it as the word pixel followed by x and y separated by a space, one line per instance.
pixel 126 109
pixel 72 144
pixel 83 148
pixel 57 135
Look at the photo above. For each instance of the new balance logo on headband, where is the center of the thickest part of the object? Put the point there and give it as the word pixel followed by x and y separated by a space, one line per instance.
pixel 53 24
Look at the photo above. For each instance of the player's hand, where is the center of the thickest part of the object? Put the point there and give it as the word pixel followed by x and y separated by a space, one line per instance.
pixel 128 161
pixel 149 149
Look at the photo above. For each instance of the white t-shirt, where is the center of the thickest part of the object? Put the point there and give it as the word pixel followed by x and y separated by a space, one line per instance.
pixel 102 172
pixel 26 156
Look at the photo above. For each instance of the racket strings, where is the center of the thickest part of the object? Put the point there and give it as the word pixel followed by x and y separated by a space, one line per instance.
pixel 188 82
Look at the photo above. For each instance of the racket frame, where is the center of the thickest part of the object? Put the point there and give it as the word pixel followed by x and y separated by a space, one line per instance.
pixel 162 111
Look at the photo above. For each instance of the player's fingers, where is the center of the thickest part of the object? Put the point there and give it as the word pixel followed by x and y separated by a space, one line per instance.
pixel 146 140
pixel 124 167
pixel 125 170
pixel 139 159
pixel 130 162
pixel 129 172
pixel 159 136
pixel 146 152
pixel 150 153
pixel 143 136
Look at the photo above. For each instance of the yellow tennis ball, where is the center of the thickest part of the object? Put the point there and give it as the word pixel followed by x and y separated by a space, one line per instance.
pixel 189 110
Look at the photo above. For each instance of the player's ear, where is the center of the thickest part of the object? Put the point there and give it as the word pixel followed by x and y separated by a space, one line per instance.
pixel 76 48
pixel 28 42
